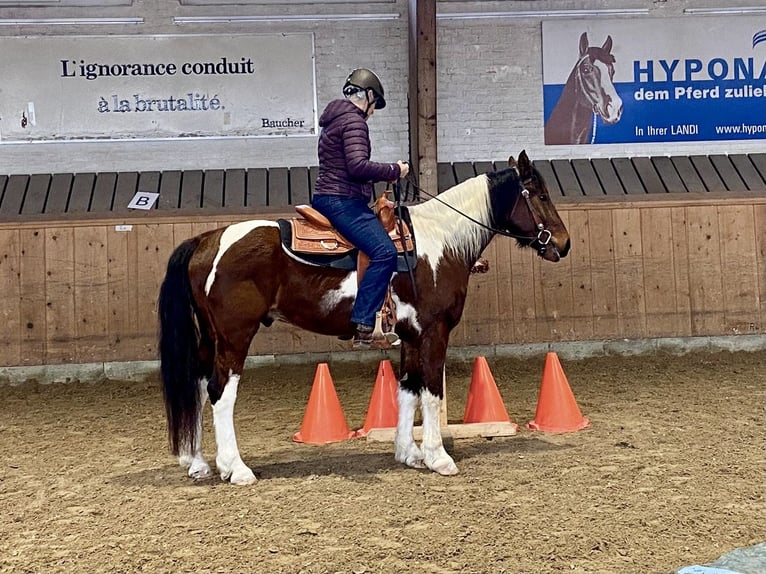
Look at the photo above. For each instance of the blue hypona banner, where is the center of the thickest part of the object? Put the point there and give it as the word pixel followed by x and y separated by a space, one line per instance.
pixel 654 80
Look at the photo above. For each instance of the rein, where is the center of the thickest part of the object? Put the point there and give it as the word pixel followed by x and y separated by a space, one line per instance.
pixel 539 241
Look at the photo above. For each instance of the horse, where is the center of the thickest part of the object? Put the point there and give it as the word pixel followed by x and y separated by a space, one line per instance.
pixel 588 94
pixel 223 285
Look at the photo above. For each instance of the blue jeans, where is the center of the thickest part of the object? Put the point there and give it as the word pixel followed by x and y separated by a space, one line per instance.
pixel 357 223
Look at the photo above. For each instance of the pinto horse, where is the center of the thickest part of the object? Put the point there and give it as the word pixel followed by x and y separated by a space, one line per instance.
pixel 588 94
pixel 221 286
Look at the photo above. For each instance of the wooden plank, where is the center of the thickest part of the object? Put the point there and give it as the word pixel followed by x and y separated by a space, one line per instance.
pixel 124 191
pixel 279 187
pixel 103 192
pixel 155 244
pixel 582 282
pixel 631 183
pixel 747 172
pixel 450 431
pixel 740 263
pixel 607 175
pixel 545 169
pixel 122 319
pixel 234 188
pixel 728 173
pixel 688 174
pixel 58 195
pixel 32 296
pixel 570 186
pixel 659 282
pixel 524 282
pixel 257 188
pixel 13 198
pixel 629 271
pixel 587 177
pixel 555 299
pixel 681 263
pixel 668 174
pixel 707 173
pixel 481 327
pixel 603 275
pixel 37 194
pixel 170 190
pixel 445 177
pixel 213 189
pixel 759 162
pixel 191 189
pixel 502 271
pixel 59 295
pixel 463 171
pixel 423 80
pixel 648 175
pixel 149 181
pixel 483 167
pixel 10 294
pixel 91 293
pixel 760 250
pixel 705 279
pixel 299 186
pixel 313 174
pixel 82 192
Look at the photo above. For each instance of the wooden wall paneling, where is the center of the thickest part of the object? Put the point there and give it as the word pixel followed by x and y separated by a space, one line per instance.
pixel 299 186
pixel 483 167
pixel 213 189
pixel 482 307
pixel 124 191
pixel 524 284
pixel 747 172
pixel 551 181
pixel 705 280
pixel 607 175
pixel 463 171
pixel 234 188
pixel 668 174
pixel 257 187
pixel 82 192
pixel 629 271
pixel 191 189
pixel 32 298
pixel 122 295
pixel 707 172
pixel 555 302
pixel 279 187
pixel 13 198
pixel 759 162
pixel 681 263
pixel 602 258
pixel 58 194
pixel 728 173
pixel 628 176
pixel 760 250
pixel 37 193
pixel 739 267
pixel 582 281
pixel 59 295
pixel 688 174
pixel 155 244
pixel 501 268
pixel 570 186
pixel 103 192
pixel 648 175
pixel 91 292
pixel 10 294
pixel 445 177
pixel 587 177
pixel 170 190
pixel 659 277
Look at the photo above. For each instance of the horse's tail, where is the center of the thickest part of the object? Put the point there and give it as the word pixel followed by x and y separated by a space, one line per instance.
pixel 179 349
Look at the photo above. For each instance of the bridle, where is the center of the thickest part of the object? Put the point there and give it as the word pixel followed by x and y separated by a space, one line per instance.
pixel 540 242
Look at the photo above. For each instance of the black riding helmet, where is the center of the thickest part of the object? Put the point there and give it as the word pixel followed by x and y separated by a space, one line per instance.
pixel 364 79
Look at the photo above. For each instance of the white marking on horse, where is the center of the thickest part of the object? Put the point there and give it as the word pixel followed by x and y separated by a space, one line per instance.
pixel 406 313
pixel 334 297
pixel 227 459
pixel 613 109
pixel 191 456
pixel 229 237
pixel 434 455
pixel 407 452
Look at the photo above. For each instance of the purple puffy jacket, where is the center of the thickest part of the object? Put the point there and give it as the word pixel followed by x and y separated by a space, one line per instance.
pixel 344 154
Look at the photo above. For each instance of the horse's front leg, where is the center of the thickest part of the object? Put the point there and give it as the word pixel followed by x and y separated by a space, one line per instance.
pixel 407 451
pixel 191 457
pixel 227 459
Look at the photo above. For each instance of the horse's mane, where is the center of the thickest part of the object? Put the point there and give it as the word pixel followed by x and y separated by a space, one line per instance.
pixel 435 222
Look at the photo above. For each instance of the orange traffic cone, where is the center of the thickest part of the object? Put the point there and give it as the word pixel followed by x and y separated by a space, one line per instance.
pixel 324 420
pixel 557 410
pixel 484 403
pixel 383 411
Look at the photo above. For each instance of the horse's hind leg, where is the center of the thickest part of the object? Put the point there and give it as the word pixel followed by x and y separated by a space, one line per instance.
pixel 191 458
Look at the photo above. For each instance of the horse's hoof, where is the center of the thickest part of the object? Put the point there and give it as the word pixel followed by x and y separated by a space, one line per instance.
pixel 243 477
pixel 200 471
pixel 413 459
pixel 445 468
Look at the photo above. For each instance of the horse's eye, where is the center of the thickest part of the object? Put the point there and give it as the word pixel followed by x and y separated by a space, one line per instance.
pixel 543 197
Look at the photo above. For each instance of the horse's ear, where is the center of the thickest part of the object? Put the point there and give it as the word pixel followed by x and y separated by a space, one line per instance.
pixel 524 166
pixel 512 162
pixel 583 44
pixel 607 47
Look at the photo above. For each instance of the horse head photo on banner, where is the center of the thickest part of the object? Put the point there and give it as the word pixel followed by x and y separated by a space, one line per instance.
pixel 589 94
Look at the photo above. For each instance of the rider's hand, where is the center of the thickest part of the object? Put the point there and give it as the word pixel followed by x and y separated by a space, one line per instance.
pixel 404 168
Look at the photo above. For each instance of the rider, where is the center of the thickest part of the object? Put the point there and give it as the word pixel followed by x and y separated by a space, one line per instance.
pixel 344 189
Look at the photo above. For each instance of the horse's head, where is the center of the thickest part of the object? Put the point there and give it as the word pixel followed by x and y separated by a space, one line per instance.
pixel 595 74
pixel 533 218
